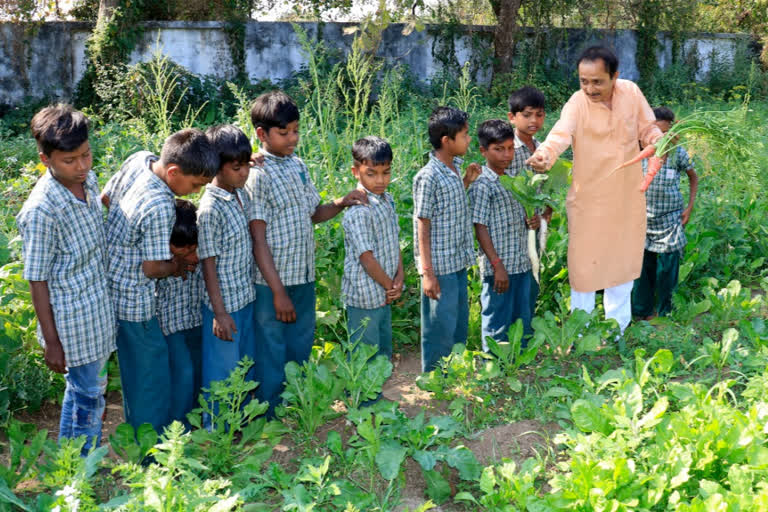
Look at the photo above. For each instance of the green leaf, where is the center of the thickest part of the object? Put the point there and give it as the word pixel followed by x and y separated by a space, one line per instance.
pixel 588 343
pixel 389 459
pixel 462 459
pixel 7 496
pixel 426 459
pixel 589 418
pixel 438 487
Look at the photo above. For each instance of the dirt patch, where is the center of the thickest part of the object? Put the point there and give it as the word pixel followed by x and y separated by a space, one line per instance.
pixel 401 387
pixel 47 417
pixel 517 441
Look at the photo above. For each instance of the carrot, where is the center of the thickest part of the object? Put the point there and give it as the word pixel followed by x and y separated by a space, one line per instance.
pixel 654 166
pixel 647 152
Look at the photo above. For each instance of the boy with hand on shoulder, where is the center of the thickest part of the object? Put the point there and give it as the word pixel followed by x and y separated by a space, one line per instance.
pixel 665 233
pixel 373 266
pixel 139 227
pixel 178 312
pixel 226 254
pixel 500 227
pixel 527 113
pixel 442 229
pixel 65 263
pixel 285 205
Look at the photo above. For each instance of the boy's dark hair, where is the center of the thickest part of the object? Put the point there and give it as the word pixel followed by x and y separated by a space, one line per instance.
pixel 371 150
pixel 59 128
pixel 445 122
pixel 273 109
pixel 185 228
pixel 493 131
pixel 192 151
pixel 594 53
pixel 664 114
pixel 230 142
pixel 526 96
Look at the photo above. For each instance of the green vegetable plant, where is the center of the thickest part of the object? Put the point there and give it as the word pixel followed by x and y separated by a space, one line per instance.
pixel 239 441
pixel 511 355
pixel 311 389
pixel 173 482
pixel 361 371
pixel 567 331
pixel 133 446
pixel 535 191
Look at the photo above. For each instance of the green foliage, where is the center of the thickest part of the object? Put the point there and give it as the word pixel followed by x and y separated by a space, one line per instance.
pixel 362 372
pixel 310 392
pixel 133 446
pixel 239 440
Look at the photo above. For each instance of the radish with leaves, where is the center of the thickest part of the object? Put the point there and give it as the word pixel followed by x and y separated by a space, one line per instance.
pixel 717 129
pixel 535 191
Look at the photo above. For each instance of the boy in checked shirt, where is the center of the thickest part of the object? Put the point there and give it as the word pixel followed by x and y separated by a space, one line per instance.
pixel 139 224
pixel 285 205
pixel 65 263
pixel 226 256
pixel 442 236
pixel 373 265
pixel 178 312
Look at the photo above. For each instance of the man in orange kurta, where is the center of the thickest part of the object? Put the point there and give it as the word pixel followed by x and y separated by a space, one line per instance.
pixel 604 122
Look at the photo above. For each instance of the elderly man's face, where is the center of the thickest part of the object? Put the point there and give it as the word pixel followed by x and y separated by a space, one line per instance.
pixel 595 80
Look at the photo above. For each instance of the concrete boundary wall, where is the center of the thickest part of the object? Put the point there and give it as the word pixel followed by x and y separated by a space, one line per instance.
pixel 50 60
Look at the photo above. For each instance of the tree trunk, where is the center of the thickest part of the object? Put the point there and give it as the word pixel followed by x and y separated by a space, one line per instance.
pixel 504 36
pixel 106 8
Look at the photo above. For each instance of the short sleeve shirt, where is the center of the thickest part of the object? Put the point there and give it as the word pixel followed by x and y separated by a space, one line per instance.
pixel 372 227
pixel 495 207
pixel 222 224
pixel 283 196
pixel 664 205
pixel 522 153
pixel 139 228
pixel 64 245
pixel 438 195
pixel 178 302
pixel 121 181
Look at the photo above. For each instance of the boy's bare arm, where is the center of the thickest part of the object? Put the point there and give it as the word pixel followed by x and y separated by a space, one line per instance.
pixel 373 269
pixel 429 281
pixel 105 200
pixel 693 184
pixel 328 211
pixel 223 324
pixel 500 276
pixel 54 352
pixel 283 306
pixel 163 268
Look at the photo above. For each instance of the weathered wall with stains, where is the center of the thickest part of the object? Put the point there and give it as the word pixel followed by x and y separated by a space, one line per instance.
pixel 49 59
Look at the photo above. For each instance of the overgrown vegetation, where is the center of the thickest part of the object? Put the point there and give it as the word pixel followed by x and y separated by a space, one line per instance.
pixel 675 422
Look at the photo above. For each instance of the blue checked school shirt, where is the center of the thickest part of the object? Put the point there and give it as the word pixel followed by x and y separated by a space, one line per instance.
pixel 63 244
pixel 664 204
pixel 139 228
pixel 122 180
pixel 438 195
pixel 178 302
pixel 283 196
pixel 372 227
pixel 522 153
pixel 495 207
pixel 222 227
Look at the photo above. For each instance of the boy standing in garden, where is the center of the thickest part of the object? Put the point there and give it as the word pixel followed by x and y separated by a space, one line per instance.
pixel 527 113
pixel 665 231
pixel 285 205
pixel 139 226
pixel 500 227
pixel 373 265
pixel 226 256
pixel 178 312
pixel 442 231
pixel 65 263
